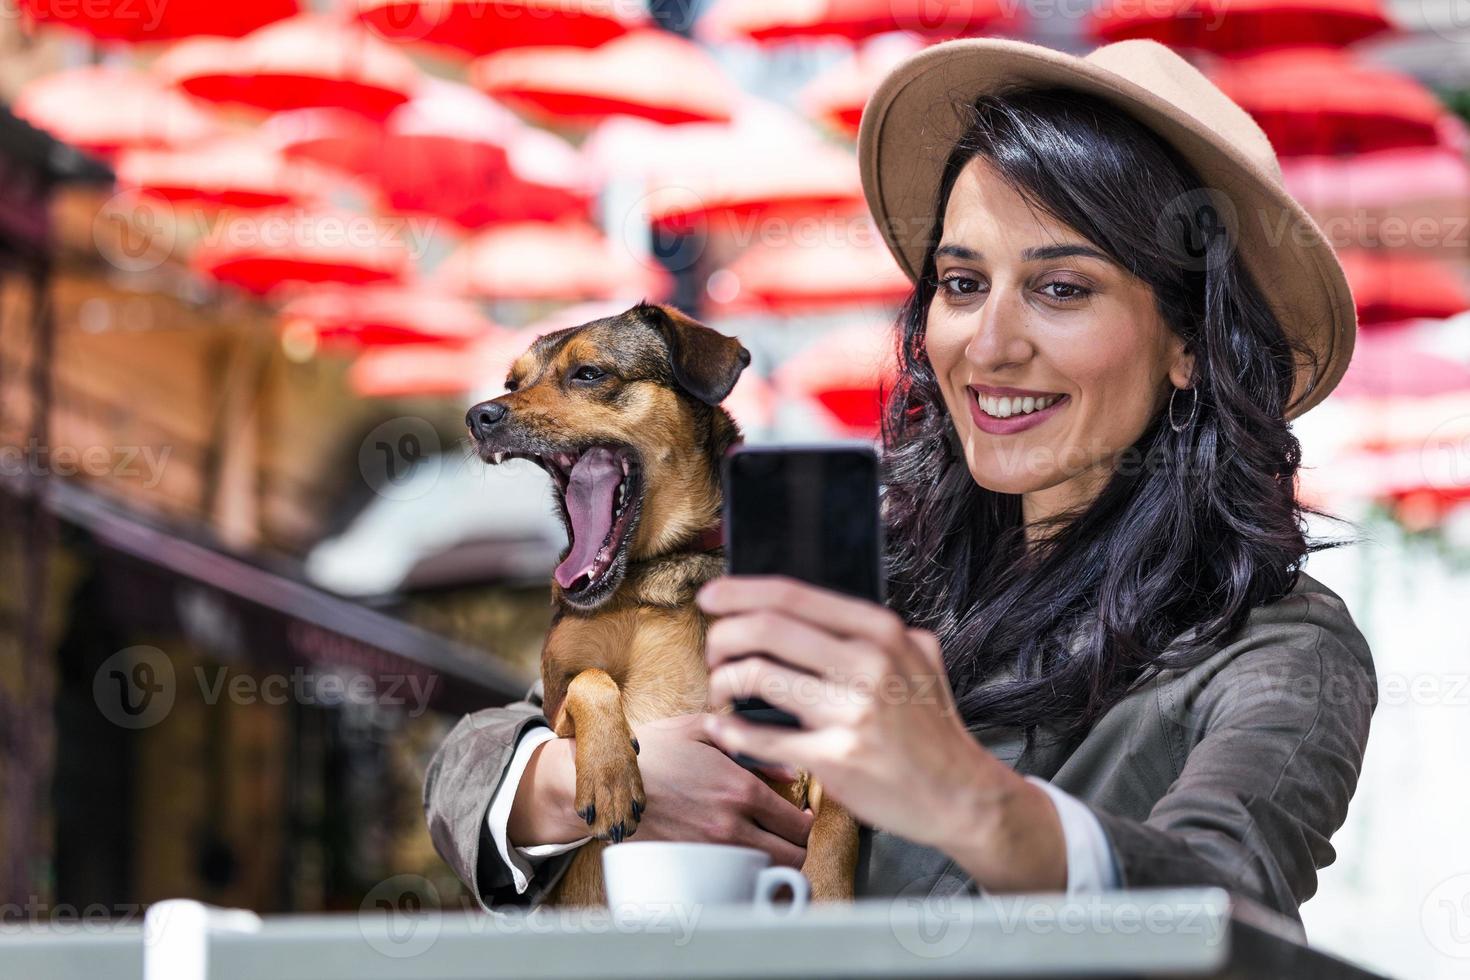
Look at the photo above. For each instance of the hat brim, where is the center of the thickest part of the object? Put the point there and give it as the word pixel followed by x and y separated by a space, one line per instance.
pixel 910 125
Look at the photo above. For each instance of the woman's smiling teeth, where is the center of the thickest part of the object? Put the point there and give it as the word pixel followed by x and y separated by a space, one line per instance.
pixel 1005 407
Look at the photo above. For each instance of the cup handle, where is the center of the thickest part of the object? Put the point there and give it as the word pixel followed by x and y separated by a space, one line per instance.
pixel 770 879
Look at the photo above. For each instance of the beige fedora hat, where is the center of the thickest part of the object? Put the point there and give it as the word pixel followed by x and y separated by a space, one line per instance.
pixel 910 125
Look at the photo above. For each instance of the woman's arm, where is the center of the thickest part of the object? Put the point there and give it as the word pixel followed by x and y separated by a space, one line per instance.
pixel 695 792
pixel 460 782
pixel 1274 737
pixel 1275 740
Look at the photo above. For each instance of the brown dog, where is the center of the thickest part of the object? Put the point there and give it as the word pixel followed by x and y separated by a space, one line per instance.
pixel 624 414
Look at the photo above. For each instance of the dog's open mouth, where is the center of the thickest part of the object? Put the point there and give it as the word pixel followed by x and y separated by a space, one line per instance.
pixel 600 489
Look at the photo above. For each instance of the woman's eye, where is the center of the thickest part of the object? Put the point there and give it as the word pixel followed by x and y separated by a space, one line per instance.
pixel 1070 291
pixel 588 373
pixel 957 285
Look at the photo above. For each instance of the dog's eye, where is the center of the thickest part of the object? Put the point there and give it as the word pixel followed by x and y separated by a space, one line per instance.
pixel 588 373
pixel 510 384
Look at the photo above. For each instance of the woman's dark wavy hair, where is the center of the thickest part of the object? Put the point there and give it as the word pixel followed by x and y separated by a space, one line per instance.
pixel 1208 527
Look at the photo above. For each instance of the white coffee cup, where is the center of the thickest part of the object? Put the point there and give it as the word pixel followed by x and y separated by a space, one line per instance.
pixel 646 878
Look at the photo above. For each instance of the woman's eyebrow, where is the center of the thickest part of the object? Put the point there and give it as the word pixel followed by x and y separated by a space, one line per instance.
pixel 1033 254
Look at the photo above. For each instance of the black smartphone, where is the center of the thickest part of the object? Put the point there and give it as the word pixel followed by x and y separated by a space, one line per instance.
pixel 809 512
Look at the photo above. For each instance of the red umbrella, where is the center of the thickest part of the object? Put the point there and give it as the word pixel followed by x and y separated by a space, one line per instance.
pixel 336 138
pixel 303 62
pixel 477 28
pixel 1389 286
pixel 784 20
pixel 102 110
pixel 549 260
pixel 847 371
pixel 264 251
pixel 1416 198
pixel 769 163
pixel 1236 26
pixel 1423 482
pixel 453 152
pixel 1320 101
pixel 633 75
pixel 232 171
pixel 437 369
pixel 840 263
pixel 752 401
pixel 836 98
pixel 133 21
pixel 1399 364
pixel 1381 180
pixel 382 315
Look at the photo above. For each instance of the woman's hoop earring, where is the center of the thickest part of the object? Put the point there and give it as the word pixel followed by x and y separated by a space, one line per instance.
pixel 1193 409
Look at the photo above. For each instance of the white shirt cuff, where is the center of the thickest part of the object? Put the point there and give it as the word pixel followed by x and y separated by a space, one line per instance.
pixel 520 860
pixel 1090 863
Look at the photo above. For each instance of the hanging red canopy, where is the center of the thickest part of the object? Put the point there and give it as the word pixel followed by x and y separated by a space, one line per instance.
pixel 1397 364
pixel 336 138
pixel 549 260
pixel 1416 198
pixel 455 153
pixel 1239 26
pixel 104 109
pixel 437 369
pixel 136 22
pixel 1320 101
pixel 239 171
pixel 302 62
pixel 752 402
pixel 648 73
pixel 1389 286
pixel 774 21
pixel 848 371
pixel 451 152
pixel 836 98
pixel 266 251
pixel 476 27
pixel 769 164
pixel 1382 180
pixel 383 315
pixel 839 263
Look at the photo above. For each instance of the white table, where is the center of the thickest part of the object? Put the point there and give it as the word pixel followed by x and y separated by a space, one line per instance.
pixel 1167 933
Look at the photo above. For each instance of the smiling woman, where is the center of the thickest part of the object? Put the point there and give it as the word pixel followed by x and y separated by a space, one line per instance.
pixel 1053 276
pixel 1110 669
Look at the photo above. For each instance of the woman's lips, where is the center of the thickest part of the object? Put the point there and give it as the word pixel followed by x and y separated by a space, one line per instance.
pixel 1015 423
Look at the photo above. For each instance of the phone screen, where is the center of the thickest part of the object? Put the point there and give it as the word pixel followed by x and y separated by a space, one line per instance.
pixel 808 512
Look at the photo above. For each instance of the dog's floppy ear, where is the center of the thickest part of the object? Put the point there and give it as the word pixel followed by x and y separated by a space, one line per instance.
pixel 705 362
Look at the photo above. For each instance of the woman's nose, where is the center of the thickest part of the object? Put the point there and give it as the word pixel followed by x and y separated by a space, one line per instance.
pixel 1000 338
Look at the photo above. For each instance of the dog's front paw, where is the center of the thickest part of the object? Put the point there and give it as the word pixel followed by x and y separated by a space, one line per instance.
pixel 610 791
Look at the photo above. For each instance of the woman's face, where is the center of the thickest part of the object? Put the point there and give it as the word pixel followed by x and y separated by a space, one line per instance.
pixel 1050 357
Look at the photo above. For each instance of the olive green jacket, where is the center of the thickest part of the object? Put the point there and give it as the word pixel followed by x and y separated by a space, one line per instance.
pixel 1235 772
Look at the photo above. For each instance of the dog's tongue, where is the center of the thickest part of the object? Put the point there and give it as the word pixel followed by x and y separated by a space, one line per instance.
pixel 590 490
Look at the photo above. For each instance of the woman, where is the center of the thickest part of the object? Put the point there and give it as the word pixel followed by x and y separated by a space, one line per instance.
pixel 1094 536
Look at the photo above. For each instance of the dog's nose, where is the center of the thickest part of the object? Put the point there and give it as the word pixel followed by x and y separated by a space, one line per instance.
pixel 483 416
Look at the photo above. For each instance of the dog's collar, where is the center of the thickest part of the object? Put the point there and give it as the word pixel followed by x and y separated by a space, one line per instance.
pixel 710 539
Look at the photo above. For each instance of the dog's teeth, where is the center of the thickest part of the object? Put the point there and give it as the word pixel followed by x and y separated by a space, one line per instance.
pixel 497 457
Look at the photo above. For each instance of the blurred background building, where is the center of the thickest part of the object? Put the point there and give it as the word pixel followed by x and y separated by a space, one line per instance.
pixel 257 258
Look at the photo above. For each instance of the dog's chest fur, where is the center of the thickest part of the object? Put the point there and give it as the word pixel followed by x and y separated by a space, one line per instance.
pixel 649 638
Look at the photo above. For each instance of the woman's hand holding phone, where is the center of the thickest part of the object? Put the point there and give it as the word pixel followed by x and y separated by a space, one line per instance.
pixel 695 793
pixel 880 730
